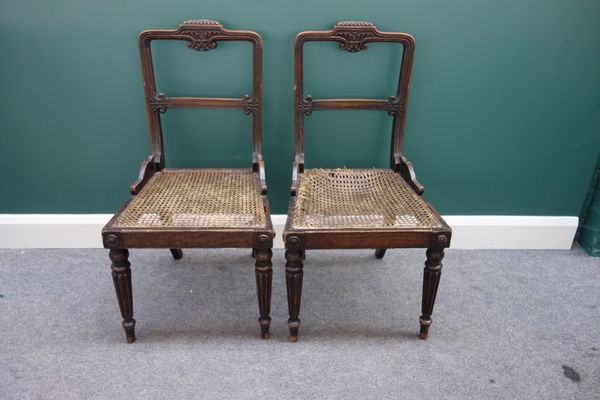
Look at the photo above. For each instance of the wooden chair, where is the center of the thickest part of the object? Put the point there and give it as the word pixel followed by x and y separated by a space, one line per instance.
pixel 179 208
pixel 359 208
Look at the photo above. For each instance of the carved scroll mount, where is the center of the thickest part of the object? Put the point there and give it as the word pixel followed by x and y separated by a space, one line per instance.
pixel 394 106
pixel 158 102
pixel 305 105
pixel 250 105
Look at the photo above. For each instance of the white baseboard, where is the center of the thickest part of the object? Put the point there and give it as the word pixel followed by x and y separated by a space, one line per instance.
pixel 511 232
pixel 469 232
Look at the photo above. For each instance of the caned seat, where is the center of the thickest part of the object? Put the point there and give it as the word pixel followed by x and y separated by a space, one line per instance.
pixel 195 208
pixel 359 198
pixel 359 208
pixel 203 198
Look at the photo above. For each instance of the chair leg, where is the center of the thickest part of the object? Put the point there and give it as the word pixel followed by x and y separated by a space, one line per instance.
pixel 121 273
pixel 431 280
pixel 177 253
pixel 293 279
pixel 379 253
pixel 264 275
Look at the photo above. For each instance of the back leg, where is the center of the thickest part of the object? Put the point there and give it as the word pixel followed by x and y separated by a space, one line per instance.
pixel 379 253
pixel 177 253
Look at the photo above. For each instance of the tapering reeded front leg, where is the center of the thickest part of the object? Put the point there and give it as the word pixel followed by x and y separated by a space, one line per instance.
pixel 177 253
pixel 264 276
pixel 121 273
pixel 431 280
pixel 293 279
pixel 379 253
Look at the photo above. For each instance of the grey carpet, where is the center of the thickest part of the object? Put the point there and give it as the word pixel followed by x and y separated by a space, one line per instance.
pixel 507 325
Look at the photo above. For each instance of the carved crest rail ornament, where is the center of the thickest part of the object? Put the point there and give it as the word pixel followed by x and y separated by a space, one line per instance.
pixel 201 33
pixel 355 35
pixel 201 40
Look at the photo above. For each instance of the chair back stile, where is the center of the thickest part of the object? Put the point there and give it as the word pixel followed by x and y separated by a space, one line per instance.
pixel 201 35
pixel 353 36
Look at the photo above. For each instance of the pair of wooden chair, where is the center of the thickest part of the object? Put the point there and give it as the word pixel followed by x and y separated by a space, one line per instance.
pixel 329 208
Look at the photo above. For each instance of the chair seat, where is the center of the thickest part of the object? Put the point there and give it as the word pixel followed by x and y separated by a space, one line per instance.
pixel 196 198
pixel 359 198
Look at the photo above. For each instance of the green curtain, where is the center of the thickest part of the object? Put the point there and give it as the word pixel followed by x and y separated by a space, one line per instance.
pixel 588 234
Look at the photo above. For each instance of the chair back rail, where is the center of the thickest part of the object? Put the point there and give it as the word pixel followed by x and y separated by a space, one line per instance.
pixel 354 36
pixel 201 35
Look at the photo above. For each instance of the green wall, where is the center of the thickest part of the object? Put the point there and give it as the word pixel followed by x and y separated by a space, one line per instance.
pixel 502 119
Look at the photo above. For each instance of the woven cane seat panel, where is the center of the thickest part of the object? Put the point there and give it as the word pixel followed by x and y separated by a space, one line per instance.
pixel 204 198
pixel 359 198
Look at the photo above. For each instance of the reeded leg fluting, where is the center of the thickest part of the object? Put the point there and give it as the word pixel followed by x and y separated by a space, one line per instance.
pixel 177 253
pixel 121 273
pixel 293 279
pixel 264 276
pixel 379 253
pixel 431 280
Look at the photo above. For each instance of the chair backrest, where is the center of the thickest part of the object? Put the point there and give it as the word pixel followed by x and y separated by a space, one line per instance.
pixel 201 35
pixel 354 36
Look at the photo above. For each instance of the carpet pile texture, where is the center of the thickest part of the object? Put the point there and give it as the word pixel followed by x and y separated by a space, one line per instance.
pixel 507 325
